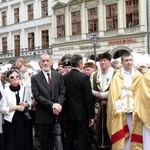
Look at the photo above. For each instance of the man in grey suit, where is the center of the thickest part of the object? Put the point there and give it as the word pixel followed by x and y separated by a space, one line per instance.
pixel 78 105
pixel 49 92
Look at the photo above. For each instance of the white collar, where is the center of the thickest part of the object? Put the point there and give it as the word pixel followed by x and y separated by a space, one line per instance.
pixel 45 73
pixel 131 72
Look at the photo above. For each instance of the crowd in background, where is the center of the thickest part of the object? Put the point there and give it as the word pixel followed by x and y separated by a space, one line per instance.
pixel 98 105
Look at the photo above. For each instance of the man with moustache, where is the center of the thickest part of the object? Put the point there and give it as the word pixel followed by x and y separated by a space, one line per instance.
pixel 101 80
pixel 49 92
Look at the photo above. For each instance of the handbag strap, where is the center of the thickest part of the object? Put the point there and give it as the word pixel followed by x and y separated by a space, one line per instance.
pixel 24 91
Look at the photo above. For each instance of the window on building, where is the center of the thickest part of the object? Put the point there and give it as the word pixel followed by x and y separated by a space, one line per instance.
pixel 30 11
pixel 111 17
pixel 31 41
pixel 44 7
pixel 45 39
pixel 16 15
pixel 4 18
pixel 132 13
pixel 60 25
pixel 4 45
pixel 76 22
pixel 17 45
pixel 92 20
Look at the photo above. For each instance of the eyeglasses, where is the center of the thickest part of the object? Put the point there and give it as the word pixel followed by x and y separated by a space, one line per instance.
pixel 12 77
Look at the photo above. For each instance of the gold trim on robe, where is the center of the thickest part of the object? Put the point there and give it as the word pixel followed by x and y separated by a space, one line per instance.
pixel 116 122
pixel 143 104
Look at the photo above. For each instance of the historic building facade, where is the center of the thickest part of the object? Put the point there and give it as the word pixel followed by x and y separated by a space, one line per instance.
pixel 25 29
pixel 148 24
pixel 31 27
pixel 119 24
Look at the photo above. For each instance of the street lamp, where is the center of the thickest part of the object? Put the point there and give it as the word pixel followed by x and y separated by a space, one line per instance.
pixel 94 39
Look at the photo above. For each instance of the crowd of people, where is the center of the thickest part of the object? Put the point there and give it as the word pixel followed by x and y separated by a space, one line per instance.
pixel 105 105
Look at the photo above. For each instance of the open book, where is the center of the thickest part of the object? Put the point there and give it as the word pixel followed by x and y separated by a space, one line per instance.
pixel 125 104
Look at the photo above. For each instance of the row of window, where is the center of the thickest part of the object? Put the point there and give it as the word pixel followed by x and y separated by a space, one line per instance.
pixel 31 42
pixel 132 18
pixel 30 12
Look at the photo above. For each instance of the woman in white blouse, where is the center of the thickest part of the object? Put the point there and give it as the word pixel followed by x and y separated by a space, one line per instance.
pixel 17 130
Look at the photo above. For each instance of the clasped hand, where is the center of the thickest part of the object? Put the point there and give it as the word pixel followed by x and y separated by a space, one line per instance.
pixel 56 108
pixel 99 95
pixel 21 106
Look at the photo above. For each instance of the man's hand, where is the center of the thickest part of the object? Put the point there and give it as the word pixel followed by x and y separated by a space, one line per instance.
pixel 91 122
pixel 99 95
pixel 144 70
pixel 56 108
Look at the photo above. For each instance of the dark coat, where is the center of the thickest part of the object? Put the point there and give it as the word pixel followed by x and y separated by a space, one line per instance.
pixel 79 102
pixel 44 97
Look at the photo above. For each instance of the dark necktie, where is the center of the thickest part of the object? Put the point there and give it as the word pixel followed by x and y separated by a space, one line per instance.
pixel 49 80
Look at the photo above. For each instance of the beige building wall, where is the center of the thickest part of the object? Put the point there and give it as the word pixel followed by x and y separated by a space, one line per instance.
pixel 24 26
pixel 131 39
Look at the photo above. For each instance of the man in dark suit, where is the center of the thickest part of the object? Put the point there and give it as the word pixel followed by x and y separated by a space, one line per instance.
pixel 49 92
pixel 78 105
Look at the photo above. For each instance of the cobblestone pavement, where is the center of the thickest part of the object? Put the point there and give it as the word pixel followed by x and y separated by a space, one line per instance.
pixel 36 144
pixel 37 147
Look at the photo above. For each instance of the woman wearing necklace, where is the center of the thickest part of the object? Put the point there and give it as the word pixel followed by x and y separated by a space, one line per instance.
pixel 17 131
